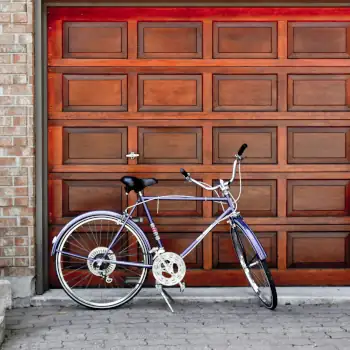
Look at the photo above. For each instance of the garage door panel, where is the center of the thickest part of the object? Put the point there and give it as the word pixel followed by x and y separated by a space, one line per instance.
pixel 318 249
pixel 245 93
pixel 95 93
pixel 244 40
pixel 170 40
pixel 170 145
pixel 318 198
pixel 262 143
pixel 318 145
pixel 73 197
pixel 95 40
pixel 170 92
pixel 259 198
pixel 94 145
pixel 304 39
pixel 224 255
pixel 81 196
pixel 318 92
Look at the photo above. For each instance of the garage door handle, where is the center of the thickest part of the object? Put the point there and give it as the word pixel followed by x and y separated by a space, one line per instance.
pixel 132 155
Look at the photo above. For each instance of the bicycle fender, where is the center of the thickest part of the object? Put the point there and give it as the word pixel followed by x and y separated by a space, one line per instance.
pixel 56 240
pixel 251 237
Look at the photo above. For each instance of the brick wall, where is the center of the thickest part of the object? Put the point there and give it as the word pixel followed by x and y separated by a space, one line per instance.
pixel 16 139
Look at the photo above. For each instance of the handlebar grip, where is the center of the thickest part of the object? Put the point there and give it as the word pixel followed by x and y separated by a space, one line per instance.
pixel 184 172
pixel 242 149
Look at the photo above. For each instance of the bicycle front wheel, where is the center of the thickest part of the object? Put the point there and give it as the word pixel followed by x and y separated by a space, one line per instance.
pixel 106 285
pixel 256 270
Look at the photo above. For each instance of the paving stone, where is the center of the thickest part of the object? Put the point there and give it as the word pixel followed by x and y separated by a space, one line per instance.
pixel 205 326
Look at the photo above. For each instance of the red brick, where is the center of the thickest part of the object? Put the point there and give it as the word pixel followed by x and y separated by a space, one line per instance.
pixel 21 241
pixel 20 251
pixel 8 222
pixel 20 151
pixel 21 191
pixel 9 161
pixel 21 202
pixel 14 231
pixel 21 181
pixel 27 221
pixel 20 18
pixel 19 121
pixel 20 141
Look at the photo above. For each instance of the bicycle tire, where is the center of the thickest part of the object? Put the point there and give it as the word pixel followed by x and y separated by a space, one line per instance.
pixel 242 257
pixel 67 289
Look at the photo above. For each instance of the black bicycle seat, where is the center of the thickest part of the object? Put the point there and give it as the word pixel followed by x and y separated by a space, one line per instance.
pixel 133 183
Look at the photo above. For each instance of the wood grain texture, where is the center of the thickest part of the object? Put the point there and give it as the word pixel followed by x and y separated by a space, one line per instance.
pixel 304 40
pixel 245 93
pixel 185 87
pixel 95 40
pixel 170 40
pixel 244 40
pixel 94 93
pixel 170 93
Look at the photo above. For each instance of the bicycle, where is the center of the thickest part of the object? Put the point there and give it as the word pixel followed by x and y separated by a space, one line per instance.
pixel 123 260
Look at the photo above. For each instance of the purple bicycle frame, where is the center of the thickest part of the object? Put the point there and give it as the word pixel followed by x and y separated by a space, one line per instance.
pixel 236 220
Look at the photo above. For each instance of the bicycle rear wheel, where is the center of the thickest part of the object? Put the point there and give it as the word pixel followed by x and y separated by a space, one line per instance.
pixel 255 269
pixel 108 285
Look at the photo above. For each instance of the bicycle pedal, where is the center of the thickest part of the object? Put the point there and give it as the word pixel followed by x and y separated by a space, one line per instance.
pixel 182 286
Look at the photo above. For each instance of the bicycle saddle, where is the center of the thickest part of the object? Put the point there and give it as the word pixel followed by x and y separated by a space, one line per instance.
pixel 133 183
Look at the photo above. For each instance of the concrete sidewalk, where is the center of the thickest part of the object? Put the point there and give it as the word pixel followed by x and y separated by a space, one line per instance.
pixel 286 296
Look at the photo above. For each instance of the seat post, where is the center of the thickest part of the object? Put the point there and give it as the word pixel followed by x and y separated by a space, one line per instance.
pixel 151 223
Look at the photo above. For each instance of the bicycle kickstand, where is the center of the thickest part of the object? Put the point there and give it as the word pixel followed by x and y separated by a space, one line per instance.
pixel 165 296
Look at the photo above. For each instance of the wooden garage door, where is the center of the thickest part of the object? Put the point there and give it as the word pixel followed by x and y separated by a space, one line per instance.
pixel 186 87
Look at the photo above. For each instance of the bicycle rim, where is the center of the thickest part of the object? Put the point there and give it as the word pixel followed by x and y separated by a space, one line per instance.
pixel 256 270
pixel 109 285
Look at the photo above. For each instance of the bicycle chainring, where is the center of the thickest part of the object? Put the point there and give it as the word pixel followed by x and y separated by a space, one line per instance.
pixel 169 269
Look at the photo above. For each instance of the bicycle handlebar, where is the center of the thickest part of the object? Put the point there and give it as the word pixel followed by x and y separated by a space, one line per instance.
pixel 211 188
pixel 242 149
pixel 184 172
